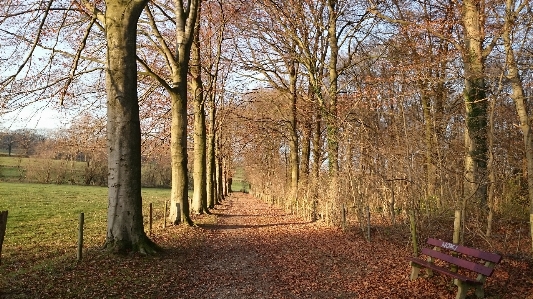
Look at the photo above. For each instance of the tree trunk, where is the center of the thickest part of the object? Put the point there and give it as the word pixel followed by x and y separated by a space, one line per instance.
pixel 317 150
pixel 218 170
pixel 331 117
pixel 513 75
pixel 440 98
pixel 475 184
pixel 178 152
pixel 125 229
pixel 431 169
pixel 211 162
pixel 224 167
pixel 306 149
pixel 293 142
pixel 185 24
pixel 199 201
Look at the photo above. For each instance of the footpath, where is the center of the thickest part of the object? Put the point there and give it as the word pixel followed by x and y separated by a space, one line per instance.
pixel 255 250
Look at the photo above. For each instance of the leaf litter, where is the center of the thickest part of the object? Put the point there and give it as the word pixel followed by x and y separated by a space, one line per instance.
pixel 250 249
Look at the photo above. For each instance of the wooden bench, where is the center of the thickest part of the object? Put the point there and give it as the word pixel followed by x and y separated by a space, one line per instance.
pixel 468 260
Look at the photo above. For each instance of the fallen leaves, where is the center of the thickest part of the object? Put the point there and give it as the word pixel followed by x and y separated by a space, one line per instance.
pixel 253 250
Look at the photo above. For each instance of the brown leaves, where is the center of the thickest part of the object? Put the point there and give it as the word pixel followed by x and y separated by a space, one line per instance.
pixel 253 250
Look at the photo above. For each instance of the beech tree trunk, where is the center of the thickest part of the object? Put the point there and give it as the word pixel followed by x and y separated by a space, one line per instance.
pixel 178 152
pixel 125 229
pixel 331 117
pixel 185 24
pixel 306 154
pixel 199 201
pixel 518 96
pixel 218 170
pixel 317 147
pixel 211 162
pixel 293 141
pixel 474 93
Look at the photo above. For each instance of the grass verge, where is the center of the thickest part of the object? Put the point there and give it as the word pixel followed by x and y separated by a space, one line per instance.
pixel 43 219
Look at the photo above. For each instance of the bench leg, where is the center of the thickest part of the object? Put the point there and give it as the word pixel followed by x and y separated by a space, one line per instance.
pixel 462 289
pixel 480 292
pixel 415 270
pixel 429 272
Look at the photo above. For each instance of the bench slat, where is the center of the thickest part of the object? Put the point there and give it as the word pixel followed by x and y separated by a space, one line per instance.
pixel 487 256
pixel 443 270
pixel 459 262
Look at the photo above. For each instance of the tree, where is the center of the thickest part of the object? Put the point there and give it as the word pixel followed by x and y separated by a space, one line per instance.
pixel 199 201
pixel 125 229
pixel 217 21
pixel 281 73
pixel 185 24
pixel 176 58
pixel 512 13
pixel 475 96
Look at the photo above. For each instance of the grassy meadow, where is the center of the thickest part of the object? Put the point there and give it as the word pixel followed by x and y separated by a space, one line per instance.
pixel 43 219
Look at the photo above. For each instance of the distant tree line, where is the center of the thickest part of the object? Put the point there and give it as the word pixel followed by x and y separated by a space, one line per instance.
pixel 74 155
pixel 20 142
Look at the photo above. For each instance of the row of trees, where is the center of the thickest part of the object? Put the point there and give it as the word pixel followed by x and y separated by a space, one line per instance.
pixel 75 155
pixel 20 142
pixel 399 105
pixel 135 46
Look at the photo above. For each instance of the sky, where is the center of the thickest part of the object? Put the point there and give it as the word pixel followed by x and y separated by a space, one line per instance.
pixel 29 118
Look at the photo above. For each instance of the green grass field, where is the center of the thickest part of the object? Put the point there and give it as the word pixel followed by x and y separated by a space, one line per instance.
pixel 43 219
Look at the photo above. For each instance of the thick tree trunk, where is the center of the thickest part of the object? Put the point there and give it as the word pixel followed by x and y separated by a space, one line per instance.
pixel 317 147
pixel 185 24
pixel 125 230
pixel 331 117
pixel 518 96
pixel 199 172
pixel 178 152
pixel 476 158
pixel 199 201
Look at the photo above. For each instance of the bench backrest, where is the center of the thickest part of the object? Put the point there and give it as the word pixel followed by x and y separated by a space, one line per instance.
pixel 472 266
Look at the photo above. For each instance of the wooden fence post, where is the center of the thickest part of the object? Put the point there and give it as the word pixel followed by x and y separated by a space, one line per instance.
pixel 151 219
pixel 369 225
pixel 343 217
pixel 3 224
pixel 80 237
pixel 165 214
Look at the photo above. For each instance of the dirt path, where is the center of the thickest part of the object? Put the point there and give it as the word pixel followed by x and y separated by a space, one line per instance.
pixel 257 251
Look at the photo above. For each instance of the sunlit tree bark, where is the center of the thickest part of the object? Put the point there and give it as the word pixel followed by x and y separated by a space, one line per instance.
pixel 125 230
pixel 512 10
pixel 475 97
pixel 186 14
pixel 199 200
